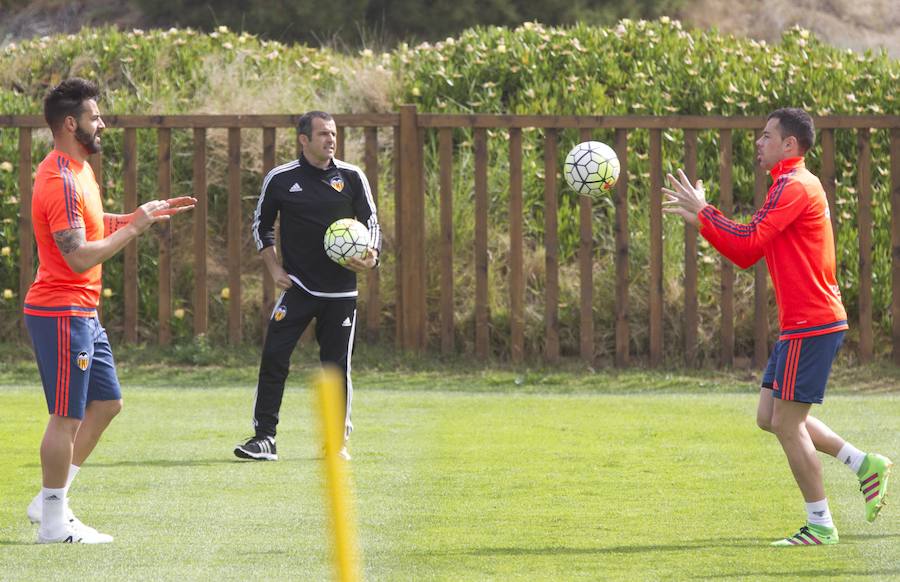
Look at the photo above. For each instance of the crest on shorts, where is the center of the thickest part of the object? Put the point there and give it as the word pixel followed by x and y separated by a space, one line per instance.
pixel 280 313
pixel 83 360
pixel 337 183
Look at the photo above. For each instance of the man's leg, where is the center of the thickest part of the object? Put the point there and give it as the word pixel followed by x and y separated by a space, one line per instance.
pixel 824 439
pixel 104 402
pixel 97 417
pixel 67 394
pixel 800 380
pixel 293 312
pixel 56 456
pixel 56 450
pixel 789 425
pixel 336 332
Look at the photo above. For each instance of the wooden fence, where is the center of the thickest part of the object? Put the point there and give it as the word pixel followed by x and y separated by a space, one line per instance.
pixel 409 127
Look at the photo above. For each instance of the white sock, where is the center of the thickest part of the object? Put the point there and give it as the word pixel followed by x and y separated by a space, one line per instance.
pixel 817 513
pixel 53 511
pixel 73 470
pixel 851 457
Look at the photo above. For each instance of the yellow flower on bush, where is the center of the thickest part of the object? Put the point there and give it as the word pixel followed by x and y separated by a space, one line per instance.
pixel 7 294
pixel 225 294
pixel 5 251
pixel 179 313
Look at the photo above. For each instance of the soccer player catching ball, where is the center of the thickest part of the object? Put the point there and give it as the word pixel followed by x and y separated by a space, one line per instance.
pixel 793 232
pixel 74 236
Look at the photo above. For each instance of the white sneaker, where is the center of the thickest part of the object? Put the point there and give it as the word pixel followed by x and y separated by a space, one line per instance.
pixel 35 510
pixel 344 454
pixel 72 534
pixel 35 514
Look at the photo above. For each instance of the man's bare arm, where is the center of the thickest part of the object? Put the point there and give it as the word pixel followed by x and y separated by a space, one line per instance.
pixel 68 240
pixel 113 222
pixel 81 254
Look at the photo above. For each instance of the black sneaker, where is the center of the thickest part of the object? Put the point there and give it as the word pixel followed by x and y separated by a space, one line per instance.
pixel 257 449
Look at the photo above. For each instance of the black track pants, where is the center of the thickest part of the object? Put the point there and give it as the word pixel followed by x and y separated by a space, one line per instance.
pixel 335 331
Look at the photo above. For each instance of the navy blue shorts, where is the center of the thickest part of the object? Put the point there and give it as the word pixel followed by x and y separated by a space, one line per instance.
pixel 798 369
pixel 75 362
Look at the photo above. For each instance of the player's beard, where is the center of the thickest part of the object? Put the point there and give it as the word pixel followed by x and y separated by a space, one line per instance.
pixel 89 141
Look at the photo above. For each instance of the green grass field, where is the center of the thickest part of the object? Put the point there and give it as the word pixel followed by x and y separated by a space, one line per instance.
pixel 457 476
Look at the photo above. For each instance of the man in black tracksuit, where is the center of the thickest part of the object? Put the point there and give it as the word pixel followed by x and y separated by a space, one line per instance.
pixel 309 194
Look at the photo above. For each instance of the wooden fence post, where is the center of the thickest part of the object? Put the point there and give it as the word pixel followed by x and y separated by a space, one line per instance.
pixel 201 219
pixel 26 228
pixel 726 205
pixel 482 312
pixel 656 248
pixel 411 222
pixel 828 176
pixel 864 218
pixel 586 269
pixel 551 248
pixel 234 235
pixel 761 285
pixel 268 284
pixel 621 201
pixel 895 244
pixel 164 236
pixel 130 296
pixel 445 148
pixel 373 278
pixel 516 249
pixel 690 259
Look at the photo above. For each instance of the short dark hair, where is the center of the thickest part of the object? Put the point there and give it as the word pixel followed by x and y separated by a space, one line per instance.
pixel 67 99
pixel 795 122
pixel 304 126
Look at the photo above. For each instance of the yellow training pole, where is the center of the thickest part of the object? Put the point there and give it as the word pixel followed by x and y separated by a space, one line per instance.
pixel 330 394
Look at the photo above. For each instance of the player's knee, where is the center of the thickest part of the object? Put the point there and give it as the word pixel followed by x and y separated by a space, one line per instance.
pixel 783 427
pixel 764 422
pixel 113 407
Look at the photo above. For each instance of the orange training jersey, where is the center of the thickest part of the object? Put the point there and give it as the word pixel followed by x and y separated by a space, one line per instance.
pixel 66 196
pixel 793 231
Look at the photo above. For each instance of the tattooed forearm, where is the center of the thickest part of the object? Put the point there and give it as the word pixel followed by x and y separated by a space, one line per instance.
pixel 113 222
pixel 69 240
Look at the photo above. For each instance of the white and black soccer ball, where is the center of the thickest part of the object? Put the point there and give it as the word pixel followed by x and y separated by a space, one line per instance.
pixel 346 238
pixel 591 168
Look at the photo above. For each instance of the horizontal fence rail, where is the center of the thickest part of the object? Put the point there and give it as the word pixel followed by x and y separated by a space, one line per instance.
pixel 416 324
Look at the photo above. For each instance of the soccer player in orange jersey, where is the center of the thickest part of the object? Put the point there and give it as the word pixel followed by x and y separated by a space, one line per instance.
pixel 793 232
pixel 74 236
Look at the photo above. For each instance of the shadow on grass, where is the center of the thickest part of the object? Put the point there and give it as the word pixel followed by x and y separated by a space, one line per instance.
pixel 563 551
pixel 834 574
pixel 157 463
pixel 864 537
pixel 186 462
pixel 639 549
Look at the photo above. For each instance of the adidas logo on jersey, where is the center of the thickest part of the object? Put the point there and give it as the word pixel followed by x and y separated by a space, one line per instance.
pixel 296 188
pixel 346 323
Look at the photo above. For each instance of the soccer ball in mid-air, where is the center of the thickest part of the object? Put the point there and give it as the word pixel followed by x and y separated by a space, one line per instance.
pixel 346 238
pixel 591 168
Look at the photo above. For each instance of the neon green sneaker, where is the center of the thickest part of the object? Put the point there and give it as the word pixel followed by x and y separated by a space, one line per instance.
pixel 873 481
pixel 810 535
